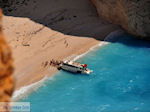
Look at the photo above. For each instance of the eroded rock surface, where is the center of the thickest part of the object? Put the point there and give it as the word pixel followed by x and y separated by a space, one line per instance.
pixel 132 15
pixel 6 68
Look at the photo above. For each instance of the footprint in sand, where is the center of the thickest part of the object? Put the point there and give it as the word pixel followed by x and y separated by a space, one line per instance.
pixel 66 43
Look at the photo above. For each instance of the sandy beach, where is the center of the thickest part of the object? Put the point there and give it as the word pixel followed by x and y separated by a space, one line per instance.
pixel 35 44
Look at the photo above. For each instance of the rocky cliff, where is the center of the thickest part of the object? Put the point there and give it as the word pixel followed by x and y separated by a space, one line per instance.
pixel 132 15
pixel 6 68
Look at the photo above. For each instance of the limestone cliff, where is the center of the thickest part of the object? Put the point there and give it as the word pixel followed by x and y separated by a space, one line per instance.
pixel 6 68
pixel 132 15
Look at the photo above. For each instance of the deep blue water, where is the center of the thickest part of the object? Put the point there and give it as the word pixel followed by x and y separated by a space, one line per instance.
pixel 120 82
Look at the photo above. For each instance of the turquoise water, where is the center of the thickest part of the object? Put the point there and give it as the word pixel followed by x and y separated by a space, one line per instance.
pixel 120 82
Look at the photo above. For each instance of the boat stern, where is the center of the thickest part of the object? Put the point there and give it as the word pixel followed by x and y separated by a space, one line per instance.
pixel 88 71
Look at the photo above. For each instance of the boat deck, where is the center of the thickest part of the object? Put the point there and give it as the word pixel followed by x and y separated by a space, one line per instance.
pixel 75 64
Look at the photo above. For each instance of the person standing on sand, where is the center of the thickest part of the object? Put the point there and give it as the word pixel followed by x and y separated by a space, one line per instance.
pixel 46 63
pixel 66 44
pixel 50 62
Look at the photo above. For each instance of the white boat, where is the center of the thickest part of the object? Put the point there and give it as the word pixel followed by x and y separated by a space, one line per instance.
pixel 75 67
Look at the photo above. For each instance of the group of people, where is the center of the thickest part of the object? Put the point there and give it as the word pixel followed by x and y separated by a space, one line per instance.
pixel 55 62
pixel 52 62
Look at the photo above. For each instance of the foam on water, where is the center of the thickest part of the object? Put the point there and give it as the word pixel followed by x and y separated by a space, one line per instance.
pixel 102 43
pixel 26 90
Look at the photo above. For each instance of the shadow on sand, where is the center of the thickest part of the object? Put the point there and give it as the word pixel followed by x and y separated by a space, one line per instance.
pixel 71 17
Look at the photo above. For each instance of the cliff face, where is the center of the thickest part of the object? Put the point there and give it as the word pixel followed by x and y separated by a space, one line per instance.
pixel 132 15
pixel 6 68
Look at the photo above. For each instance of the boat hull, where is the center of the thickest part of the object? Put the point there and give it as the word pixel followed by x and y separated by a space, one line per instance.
pixel 75 70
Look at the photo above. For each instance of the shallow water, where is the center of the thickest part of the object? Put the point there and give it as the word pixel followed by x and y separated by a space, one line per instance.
pixel 119 83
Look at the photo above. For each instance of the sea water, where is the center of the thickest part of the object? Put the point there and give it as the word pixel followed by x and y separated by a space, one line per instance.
pixel 120 82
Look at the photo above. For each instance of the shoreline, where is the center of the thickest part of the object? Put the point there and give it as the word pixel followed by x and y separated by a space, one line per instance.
pixel 34 44
pixel 31 50
pixel 24 91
